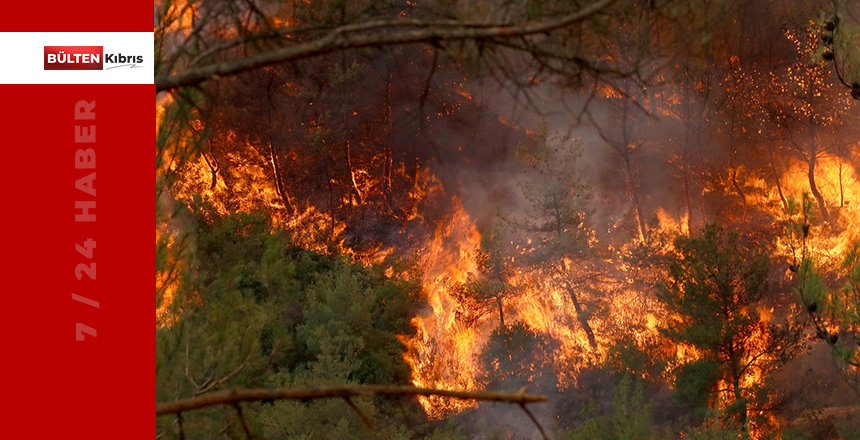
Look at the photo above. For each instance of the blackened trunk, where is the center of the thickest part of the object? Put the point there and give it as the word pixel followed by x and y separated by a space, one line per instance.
pixel 279 186
pixel 633 194
pixel 214 167
pixel 739 190
pixel 841 186
pixel 779 186
pixel 815 192
pixel 580 316
pixel 354 187
pixel 388 160
pixel 687 198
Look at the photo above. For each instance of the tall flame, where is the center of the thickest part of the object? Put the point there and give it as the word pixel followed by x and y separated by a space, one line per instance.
pixel 443 353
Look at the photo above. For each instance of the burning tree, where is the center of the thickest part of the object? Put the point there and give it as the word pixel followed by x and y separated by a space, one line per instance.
pixel 491 286
pixel 516 356
pixel 558 200
pixel 833 312
pixel 714 293
pixel 626 143
pixel 806 106
pixel 364 134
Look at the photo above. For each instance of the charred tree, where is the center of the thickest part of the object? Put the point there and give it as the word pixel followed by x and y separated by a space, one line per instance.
pixel 813 188
pixel 273 153
pixel 279 182
pixel 810 110
pixel 559 200
pixel 626 147
pixel 388 159
pixel 356 193
pixel 490 287
pixel 581 316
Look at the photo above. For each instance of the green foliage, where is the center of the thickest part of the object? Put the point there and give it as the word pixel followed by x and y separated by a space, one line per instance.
pixel 712 284
pixel 492 259
pixel 630 418
pixel 842 27
pixel 260 312
pixel 177 139
pixel 714 288
pixel 230 251
pixel 800 218
pixel 695 381
pixel 848 304
pixel 351 320
pixel 832 311
pixel 631 357
pixel 329 419
pixel 486 291
pixel 515 356
pixel 715 429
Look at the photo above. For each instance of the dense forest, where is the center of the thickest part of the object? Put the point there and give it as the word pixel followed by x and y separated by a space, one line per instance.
pixel 507 219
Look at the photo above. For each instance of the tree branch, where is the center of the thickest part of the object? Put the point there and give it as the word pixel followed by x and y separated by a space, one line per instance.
pixel 534 420
pixel 358 411
pixel 343 38
pixel 340 391
pixel 242 419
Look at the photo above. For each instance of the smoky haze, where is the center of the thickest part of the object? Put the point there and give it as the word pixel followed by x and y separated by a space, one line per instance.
pixel 722 113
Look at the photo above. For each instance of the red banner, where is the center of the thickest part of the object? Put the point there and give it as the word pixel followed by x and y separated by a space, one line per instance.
pixel 78 350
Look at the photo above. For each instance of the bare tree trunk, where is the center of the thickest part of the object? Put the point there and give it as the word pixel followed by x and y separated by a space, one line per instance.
pixel 214 166
pixel 841 185
pixel 781 193
pixel 279 185
pixel 633 194
pixel 273 155
pixel 580 315
pixel 703 212
pixel 623 147
pixel 739 190
pixel 687 202
pixel 388 159
pixel 330 201
pixel 743 411
pixel 355 189
pixel 778 184
pixel 813 187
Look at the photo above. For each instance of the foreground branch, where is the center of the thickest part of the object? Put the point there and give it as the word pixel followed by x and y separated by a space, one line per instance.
pixel 340 391
pixel 345 38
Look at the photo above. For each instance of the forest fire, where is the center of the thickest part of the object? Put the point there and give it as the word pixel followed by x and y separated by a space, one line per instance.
pixel 840 189
pixel 447 348
pixel 443 353
pixel 647 227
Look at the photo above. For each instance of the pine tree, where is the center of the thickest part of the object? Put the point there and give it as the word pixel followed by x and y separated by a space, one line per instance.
pixel 487 290
pixel 713 295
pixel 558 200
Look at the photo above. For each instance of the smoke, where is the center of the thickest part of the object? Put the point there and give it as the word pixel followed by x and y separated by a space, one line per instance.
pixel 487 174
pixel 384 158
